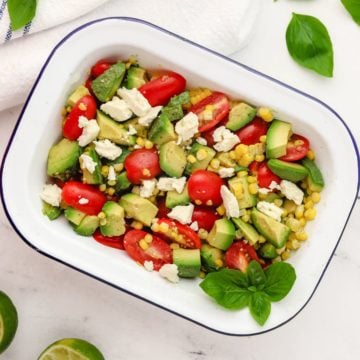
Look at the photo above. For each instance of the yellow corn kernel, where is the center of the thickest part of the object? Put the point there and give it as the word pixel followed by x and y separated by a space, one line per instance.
pixel 110 191
pixel 164 227
pixel 101 215
pixel 197 94
pixel 198 202
pixel 310 214
pixel 242 173
pixel 263 139
pixel 251 179
pixel 310 155
pixel 143 244
pixel 148 238
pixel 155 227
pixel 203 234
pixel 292 236
pixel 301 235
pixel 241 150
pixel 209 203
pixel 284 213
pixel 140 141
pixel 315 197
pixel 299 212
pixel 265 113
pixel 290 206
pixel 118 167
pixel 219 263
pixel 293 244
pixel 262 196
pixel 253 189
pixel 221 210
pixel 201 154
pixel 262 239
pixel 298 142
pixel 285 255
pixel 293 224
pixel 245 218
pixel 148 144
pixel 232 155
pixel 137 225
pixel 215 163
pixel 278 202
pixel 102 222
pixel 104 170
pixel 112 182
pixel 309 204
pixel 246 160
pixel 210 107
pixel 259 158
pixel 82 106
pixel 302 222
pixel 146 172
pixel 174 246
pixel 191 159
pixel 102 187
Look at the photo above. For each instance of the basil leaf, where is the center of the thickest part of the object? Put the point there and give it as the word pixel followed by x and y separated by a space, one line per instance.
pixel 353 7
pixel 280 278
pixel 228 288
pixel 260 307
pixel 309 44
pixel 21 12
pixel 256 274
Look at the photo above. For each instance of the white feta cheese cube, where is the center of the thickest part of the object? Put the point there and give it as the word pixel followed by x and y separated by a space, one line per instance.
pixel 90 131
pixel 201 141
pixel 117 109
pixel 83 201
pixel 107 149
pixel 170 272
pixel 149 265
pixel 291 191
pixel 51 194
pixel 226 172
pixel 230 202
pixel 135 100
pixel 273 186
pixel 150 116
pixel 87 163
pixel 111 174
pixel 182 213
pixel 195 226
pixel 225 139
pixel 169 184
pixel 270 209
pixel 147 188
pixel 131 130
pixel 187 127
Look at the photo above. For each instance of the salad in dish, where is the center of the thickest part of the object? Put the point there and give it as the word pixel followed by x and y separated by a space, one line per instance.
pixel 188 181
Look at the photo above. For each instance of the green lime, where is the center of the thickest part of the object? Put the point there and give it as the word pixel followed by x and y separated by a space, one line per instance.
pixel 71 349
pixel 8 321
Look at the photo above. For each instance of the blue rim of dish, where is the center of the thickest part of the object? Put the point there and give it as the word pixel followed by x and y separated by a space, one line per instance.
pixel 223 57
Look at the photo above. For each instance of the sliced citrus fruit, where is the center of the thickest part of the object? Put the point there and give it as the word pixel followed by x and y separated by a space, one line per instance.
pixel 8 321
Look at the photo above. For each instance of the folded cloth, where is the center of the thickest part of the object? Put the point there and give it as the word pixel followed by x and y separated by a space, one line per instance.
pixel 222 25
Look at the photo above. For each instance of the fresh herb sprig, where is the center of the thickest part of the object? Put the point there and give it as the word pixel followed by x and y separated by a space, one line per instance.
pixel 255 289
pixel 21 12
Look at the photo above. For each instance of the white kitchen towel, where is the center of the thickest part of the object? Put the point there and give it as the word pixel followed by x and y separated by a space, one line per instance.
pixel 222 25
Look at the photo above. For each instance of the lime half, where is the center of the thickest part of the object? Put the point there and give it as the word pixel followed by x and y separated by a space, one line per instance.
pixel 8 321
pixel 71 349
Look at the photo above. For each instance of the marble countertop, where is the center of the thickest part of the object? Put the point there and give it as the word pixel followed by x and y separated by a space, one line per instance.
pixel 55 301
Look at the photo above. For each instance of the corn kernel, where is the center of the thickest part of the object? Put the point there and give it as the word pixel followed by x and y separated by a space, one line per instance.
pixel 262 196
pixel 82 106
pixel 284 213
pixel 110 191
pixel 253 189
pixel 246 160
pixel 310 155
pixel 290 206
pixel 118 167
pixel 309 204
pixel 140 141
pixel 209 107
pixel 209 203
pixel 112 182
pixel 102 187
pixel 232 155
pixel 293 224
pixel 310 214
pixel 263 139
pixel 245 218
pixel 102 222
pixel 241 150
pixel 101 215
pixel 164 227
pixel 315 197
pixel 215 163
pixel 198 202
pixel 265 113
pixel 148 238
pixel 104 170
pixel 137 225
pixel 148 144
pixel 174 246
pixel 293 244
pixel 221 210
pixel 155 227
pixel 203 234
pixel 146 172
pixel 201 154
pixel 302 222
pixel 285 255
pixel 301 235
pixel 261 239
pixel 278 202
pixel 299 212
pixel 143 244
pixel 219 263
pixel 191 159
pixel 298 142
pixel 251 179
pixel 242 173
pixel 259 158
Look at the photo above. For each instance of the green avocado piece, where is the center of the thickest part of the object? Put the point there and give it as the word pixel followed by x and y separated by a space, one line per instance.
pixel 63 159
pixel 88 225
pixel 105 85
pixel 115 222
pixel 77 94
pixel 173 198
pixel 188 262
pixel 204 162
pixel 240 115
pixel 74 216
pixel 52 212
pixel 287 170
pixel 96 177
pixel 138 208
pixel 248 231
pixel 173 110
pixel 162 130
pixel 247 200
pixel 222 234
pixel 277 138
pixel 211 257
pixel 122 182
pixel 136 76
pixel 141 130
pixel 274 231
pixel 172 159
pixel 268 251
pixel 315 179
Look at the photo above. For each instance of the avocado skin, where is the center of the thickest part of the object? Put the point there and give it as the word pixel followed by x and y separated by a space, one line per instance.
pixel 287 170
pixel 315 178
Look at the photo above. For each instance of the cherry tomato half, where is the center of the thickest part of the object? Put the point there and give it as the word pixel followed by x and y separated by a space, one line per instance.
pixel 161 89
pixel 73 191
pixel 162 209
pixel 158 251
pixel 116 242
pixel 142 164
pixel 263 174
pixel 86 106
pixel 221 108
pixel 204 186
pixel 100 67
pixel 239 255
pixel 182 234
pixel 296 149
pixel 205 217
pixel 251 133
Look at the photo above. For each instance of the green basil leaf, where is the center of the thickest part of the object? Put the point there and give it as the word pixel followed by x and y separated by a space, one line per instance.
pixel 228 288
pixel 21 12
pixel 309 44
pixel 280 278
pixel 256 274
pixel 353 7
pixel 260 307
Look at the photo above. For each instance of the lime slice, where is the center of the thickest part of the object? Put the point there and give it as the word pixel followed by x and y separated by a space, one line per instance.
pixel 71 349
pixel 8 321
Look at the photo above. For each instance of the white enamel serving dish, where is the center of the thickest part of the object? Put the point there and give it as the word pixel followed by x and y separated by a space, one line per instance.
pixel 23 167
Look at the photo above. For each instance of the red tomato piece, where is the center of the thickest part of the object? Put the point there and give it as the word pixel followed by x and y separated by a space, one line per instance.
pixel 158 251
pixel 161 89
pixel 182 234
pixel 86 106
pixel 221 108
pixel 100 67
pixel 205 217
pixel 251 133
pixel 163 210
pixel 116 242
pixel 142 164
pixel 73 191
pixel 204 186
pixel 296 149
pixel 239 255
pixel 263 174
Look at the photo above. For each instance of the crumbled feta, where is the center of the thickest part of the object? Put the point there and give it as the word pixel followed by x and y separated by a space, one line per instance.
pixel 107 149
pixel 117 109
pixel 201 141
pixel 149 265
pixel 291 191
pixel 170 272
pixel 111 174
pixel 182 213
pixel 150 116
pixel 195 226
pixel 226 172
pixel 87 163
pixel 137 146
pixel 169 184
pixel 273 186
pixel 225 139
pixel 147 188
pixel 83 201
pixel 187 127
pixel 230 202
pixel 51 194
pixel 270 209
pixel 90 131
pixel 135 100
pixel 131 130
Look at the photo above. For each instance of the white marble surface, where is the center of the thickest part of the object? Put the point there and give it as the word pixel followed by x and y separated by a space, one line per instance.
pixel 55 301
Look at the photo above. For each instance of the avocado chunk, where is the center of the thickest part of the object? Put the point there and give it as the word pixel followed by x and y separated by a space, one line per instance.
pixel 240 188
pixel 77 94
pixel 105 85
pixel 136 76
pixel 222 234
pixel 268 251
pixel 63 159
pixel 138 208
pixel 173 110
pixel 115 222
pixel 273 231
pixel 247 231
pixel 122 182
pixel 188 262
pixel 115 132
pixel 95 177
pixel 211 258
pixel 141 130
pixel 315 179
pixel 74 216
pixel 88 225
pixel 203 155
pixel 287 170
pixel 240 115
pixel 277 138
pixel 173 198
pixel 52 212
pixel 172 159
pixel 162 130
